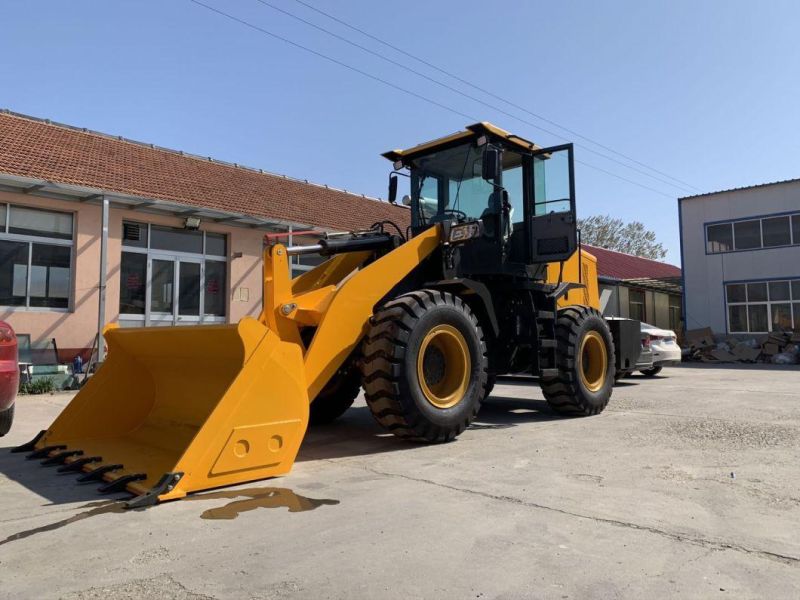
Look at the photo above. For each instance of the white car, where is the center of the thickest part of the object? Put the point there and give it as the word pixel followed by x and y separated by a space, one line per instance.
pixel 665 348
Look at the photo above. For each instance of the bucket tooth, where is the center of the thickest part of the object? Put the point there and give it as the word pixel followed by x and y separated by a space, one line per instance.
pixel 97 474
pixel 60 457
pixel 165 484
pixel 43 452
pixel 28 446
pixel 118 484
pixel 77 464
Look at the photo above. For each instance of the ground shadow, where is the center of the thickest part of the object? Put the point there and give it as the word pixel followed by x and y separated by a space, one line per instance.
pixel 357 434
pixel 46 482
pixel 354 434
pixel 746 366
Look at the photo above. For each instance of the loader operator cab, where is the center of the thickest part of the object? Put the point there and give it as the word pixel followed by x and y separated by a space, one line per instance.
pixel 521 195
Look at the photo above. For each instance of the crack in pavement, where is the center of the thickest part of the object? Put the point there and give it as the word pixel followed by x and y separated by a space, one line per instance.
pixel 698 541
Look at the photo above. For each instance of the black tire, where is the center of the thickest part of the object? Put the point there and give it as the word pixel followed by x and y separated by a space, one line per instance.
pixel 652 372
pixel 568 393
pixel 336 397
pixel 6 418
pixel 390 366
pixel 491 379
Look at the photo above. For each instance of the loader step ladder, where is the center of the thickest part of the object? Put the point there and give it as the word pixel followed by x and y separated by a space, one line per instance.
pixel 546 330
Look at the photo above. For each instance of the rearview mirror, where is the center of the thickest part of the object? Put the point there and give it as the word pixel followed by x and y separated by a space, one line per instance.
pixel 392 188
pixel 491 163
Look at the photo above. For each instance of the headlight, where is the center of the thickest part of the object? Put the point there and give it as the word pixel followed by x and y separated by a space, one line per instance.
pixel 466 231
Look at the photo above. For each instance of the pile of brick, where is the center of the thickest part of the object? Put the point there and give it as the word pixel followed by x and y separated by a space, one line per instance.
pixel 777 348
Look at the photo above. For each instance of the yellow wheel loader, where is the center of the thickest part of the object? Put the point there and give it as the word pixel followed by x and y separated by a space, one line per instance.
pixel 488 279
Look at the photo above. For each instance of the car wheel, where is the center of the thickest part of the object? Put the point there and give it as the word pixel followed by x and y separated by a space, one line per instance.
pixel 6 418
pixel 652 372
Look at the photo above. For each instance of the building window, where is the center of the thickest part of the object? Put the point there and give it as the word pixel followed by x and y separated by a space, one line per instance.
pixel 720 238
pixel 753 234
pixel 675 323
pixel 763 306
pixel 636 303
pixel 172 275
pixel 777 231
pixel 35 257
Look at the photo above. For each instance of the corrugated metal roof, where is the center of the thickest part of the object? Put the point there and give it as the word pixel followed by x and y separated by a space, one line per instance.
pixel 737 189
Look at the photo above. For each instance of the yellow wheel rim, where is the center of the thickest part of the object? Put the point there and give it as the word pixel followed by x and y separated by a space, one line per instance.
pixel 593 362
pixel 444 366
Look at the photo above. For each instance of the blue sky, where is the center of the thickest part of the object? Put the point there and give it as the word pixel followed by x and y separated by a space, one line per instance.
pixel 706 92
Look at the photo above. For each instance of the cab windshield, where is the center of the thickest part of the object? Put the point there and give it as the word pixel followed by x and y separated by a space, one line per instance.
pixel 448 184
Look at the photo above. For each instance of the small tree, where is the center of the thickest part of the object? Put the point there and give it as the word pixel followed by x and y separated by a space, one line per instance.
pixel 614 234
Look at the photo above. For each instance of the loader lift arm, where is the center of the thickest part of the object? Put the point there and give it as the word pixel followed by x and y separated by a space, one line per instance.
pixel 182 409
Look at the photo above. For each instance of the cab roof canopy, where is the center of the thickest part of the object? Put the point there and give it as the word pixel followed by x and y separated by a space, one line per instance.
pixel 472 132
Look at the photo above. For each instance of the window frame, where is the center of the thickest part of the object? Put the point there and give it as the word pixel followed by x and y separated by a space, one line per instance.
pixel 768 303
pixel 177 256
pixel 794 239
pixel 643 303
pixel 43 240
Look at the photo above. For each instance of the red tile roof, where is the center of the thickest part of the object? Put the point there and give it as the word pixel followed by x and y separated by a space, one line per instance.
pixel 33 148
pixel 619 265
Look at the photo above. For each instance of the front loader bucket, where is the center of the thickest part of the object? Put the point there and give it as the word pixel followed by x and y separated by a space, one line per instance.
pixel 174 410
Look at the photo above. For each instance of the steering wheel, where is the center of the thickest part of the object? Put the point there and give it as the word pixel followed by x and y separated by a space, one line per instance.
pixel 460 214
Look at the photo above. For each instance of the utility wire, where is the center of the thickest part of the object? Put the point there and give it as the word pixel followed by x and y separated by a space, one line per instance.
pixel 389 83
pixel 489 93
pixel 460 92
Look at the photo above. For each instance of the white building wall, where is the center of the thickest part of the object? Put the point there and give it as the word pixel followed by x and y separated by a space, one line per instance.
pixel 704 274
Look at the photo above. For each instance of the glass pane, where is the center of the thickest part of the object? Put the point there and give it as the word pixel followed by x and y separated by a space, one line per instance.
pixel 3 209
pixel 736 292
pixel 178 240
pixel 32 221
pixel 189 288
pixel 470 196
pixel 428 196
pixel 720 238
pixel 776 231
pixel 551 192
pixel 796 311
pixel 796 229
pixel 781 316
pixel 796 290
pixel 747 234
pixel 50 275
pixel 132 283
pixel 215 288
pixel 13 273
pixel 134 234
pixel 161 288
pixel 758 318
pixel 512 181
pixel 215 244
pixel 778 290
pixel 757 292
pixel 737 318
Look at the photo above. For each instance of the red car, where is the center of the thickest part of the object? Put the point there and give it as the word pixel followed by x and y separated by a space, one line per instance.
pixel 9 376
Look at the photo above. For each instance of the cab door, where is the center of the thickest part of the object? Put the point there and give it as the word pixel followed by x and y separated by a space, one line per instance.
pixel 551 207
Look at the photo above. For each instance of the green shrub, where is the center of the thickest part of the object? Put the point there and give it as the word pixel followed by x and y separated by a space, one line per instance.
pixel 43 385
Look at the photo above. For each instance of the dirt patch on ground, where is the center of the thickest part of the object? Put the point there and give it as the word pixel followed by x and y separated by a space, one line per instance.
pixel 730 434
pixel 163 587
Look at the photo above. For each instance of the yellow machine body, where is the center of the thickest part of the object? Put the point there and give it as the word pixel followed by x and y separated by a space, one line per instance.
pixel 589 293
pixel 175 410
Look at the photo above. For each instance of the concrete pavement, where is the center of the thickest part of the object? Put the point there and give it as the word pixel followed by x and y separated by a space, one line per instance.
pixel 687 485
